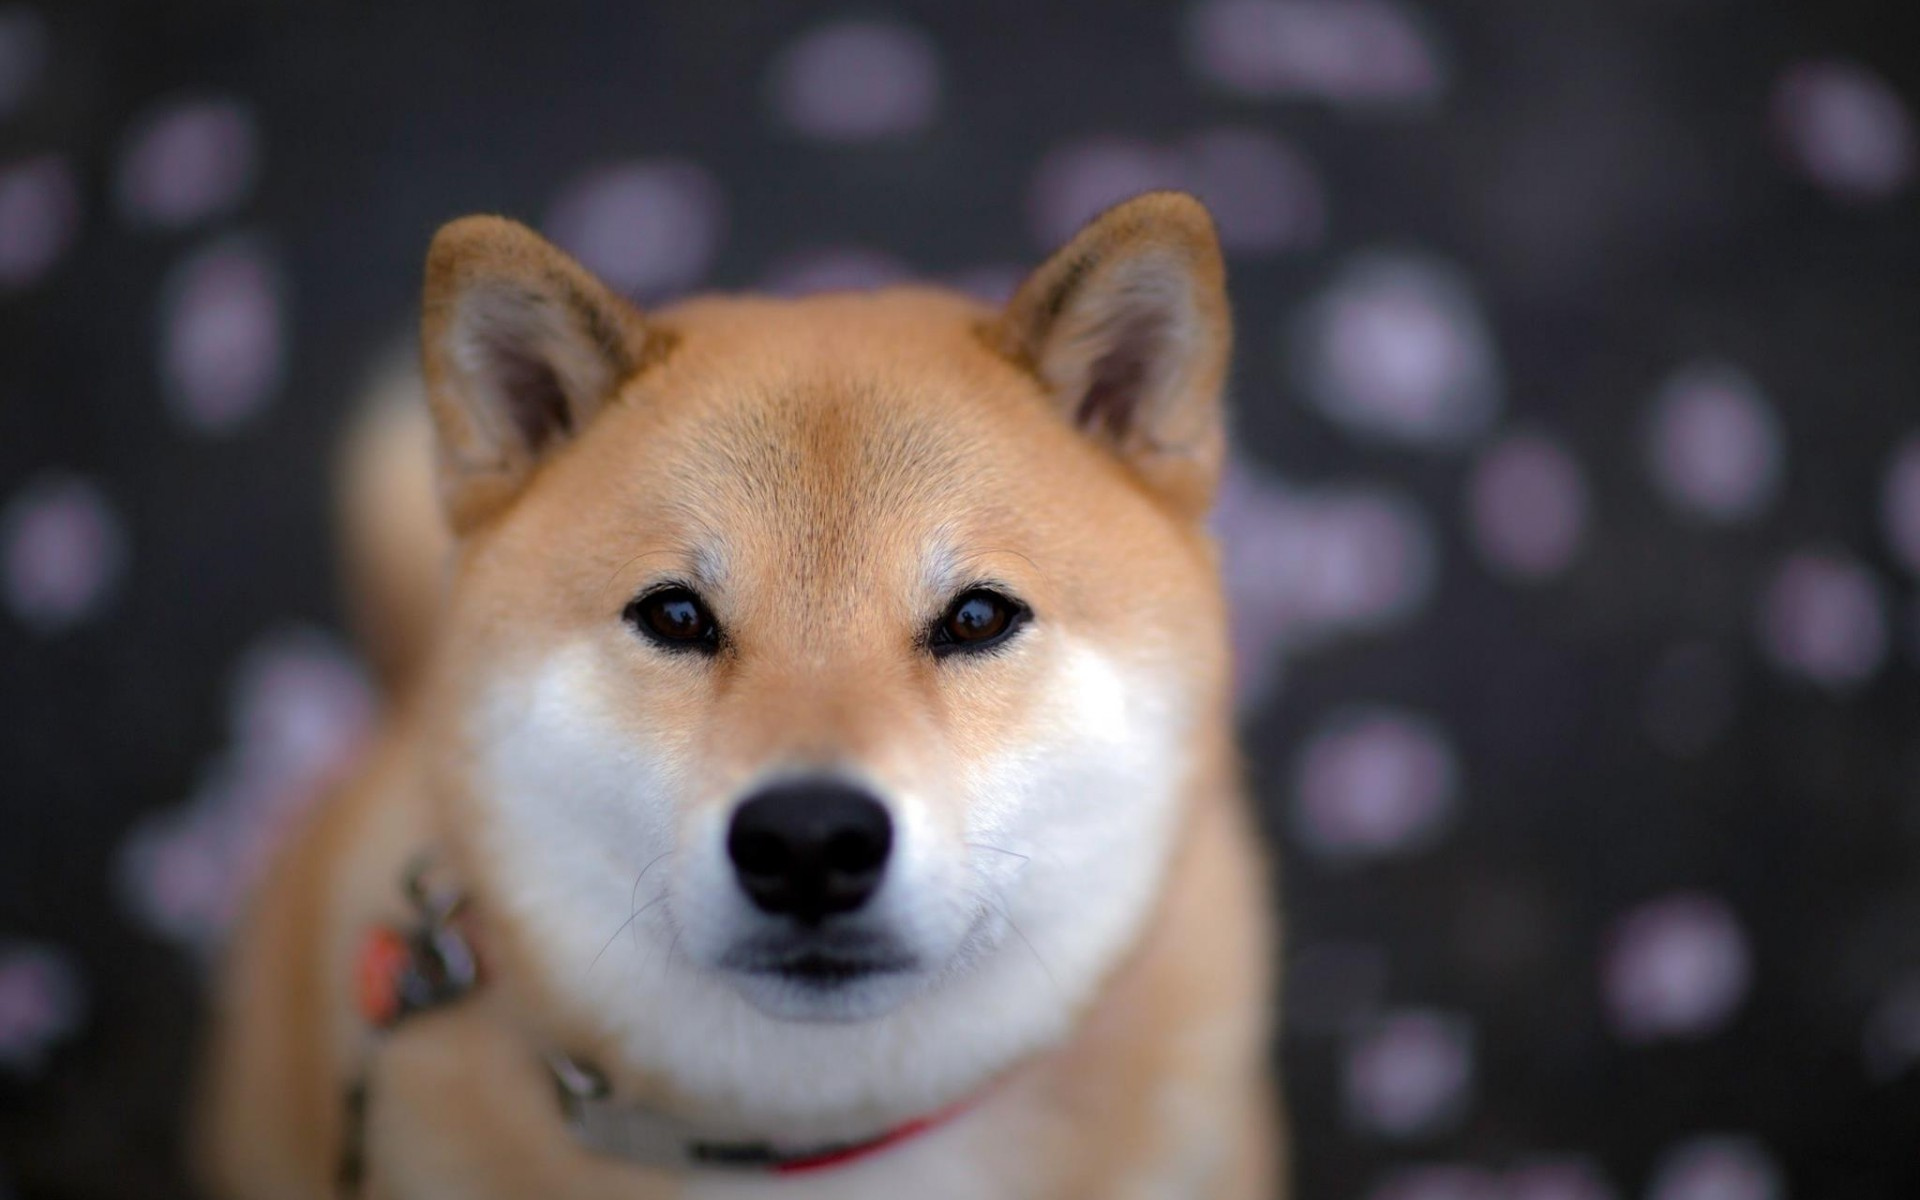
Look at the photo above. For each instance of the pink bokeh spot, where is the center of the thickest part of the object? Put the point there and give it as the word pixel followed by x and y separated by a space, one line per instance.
pixel 1846 129
pixel 1713 445
pixel 834 269
pixel 1410 1075
pixel 1900 504
pixel 650 228
pixel 42 1003
pixel 1396 349
pixel 1822 619
pixel 64 550
pixel 1345 52
pixel 188 161
pixel 1675 968
pixel 300 708
pixel 858 81
pixel 1373 782
pixel 1717 1167
pixel 39 214
pixel 1305 567
pixel 223 336
pixel 1527 507
pixel 1266 198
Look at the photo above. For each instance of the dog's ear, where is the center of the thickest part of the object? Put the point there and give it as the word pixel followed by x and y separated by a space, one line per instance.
pixel 521 346
pixel 1127 328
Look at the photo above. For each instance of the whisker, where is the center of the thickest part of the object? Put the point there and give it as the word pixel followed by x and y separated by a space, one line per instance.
pixel 633 924
pixel 1040 962
pixel 632 913
pixel 1000 850
pixel 673 948
pixel 653 957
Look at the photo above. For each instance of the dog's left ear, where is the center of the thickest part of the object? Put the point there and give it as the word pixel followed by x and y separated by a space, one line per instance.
pixel 1127 328
pixel 521 347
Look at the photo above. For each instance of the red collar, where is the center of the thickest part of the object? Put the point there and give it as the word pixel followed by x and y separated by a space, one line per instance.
pixel 841 1156
pixel 402 972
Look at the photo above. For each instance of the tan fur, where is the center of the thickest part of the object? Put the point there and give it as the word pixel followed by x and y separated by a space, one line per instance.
pixel 826 437
pixel 395 551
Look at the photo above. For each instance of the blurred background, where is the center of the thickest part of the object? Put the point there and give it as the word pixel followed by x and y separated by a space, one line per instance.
pixel 1573 535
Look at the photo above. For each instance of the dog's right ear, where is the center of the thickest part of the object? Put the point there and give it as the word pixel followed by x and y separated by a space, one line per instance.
pixel 521 346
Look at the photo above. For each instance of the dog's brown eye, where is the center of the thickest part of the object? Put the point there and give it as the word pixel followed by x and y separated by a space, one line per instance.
pixel 675 618
pixel 977 620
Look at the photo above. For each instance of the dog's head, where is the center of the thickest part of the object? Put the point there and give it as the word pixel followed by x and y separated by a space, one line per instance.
pixel 825 678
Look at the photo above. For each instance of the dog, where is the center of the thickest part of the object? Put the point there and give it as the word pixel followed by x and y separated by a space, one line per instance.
pixel 808 768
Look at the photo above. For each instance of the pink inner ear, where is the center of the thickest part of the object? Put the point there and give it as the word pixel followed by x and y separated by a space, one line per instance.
pixel 529 391
pixel 1131 346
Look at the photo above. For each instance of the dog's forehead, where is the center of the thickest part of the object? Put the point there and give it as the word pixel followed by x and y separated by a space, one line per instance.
pixel 834 420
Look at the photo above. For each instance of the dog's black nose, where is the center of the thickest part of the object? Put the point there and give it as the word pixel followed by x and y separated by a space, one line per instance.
pixel 810 849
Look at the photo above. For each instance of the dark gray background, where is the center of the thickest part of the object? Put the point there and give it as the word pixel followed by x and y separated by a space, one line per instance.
pixel 1608 176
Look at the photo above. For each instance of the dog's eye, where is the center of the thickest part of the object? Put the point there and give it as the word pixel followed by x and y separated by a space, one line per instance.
pixel 977 620
pixel 675 618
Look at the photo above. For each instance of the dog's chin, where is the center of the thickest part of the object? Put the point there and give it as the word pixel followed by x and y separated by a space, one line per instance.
pixel 824 982
pixel 789 996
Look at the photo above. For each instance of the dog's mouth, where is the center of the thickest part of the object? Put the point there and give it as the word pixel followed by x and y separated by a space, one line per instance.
pixel 818 970
pixel 824 964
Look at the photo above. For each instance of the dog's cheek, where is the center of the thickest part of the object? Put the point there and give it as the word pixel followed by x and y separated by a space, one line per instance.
pixel 1092 802
pixel 928 896
pixel 569 808
pixel 708 909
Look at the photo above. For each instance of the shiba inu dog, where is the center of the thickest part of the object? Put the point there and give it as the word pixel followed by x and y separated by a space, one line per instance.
pixel 811 773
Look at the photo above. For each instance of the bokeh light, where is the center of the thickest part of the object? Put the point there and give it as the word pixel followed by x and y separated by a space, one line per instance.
pixel 223 334
pixel 1716 1167
pixel 1675 967
pixel 1396 349
pixel 39 215
pixel 1349 52
pixel 650 228
pixel 42 1003
pixel 1823 619
pixel 300 705
pixel 188 161
pixel 1527 507
pixel 1266 198
pixel 858 81
pixel 1714 446
pixel 1846 129
pixel 1410 1075
pixel 1306 567
pixel 1373 782
pixel 64 548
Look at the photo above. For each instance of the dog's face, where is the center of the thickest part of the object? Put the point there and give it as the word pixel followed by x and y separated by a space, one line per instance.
pixel 827 674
